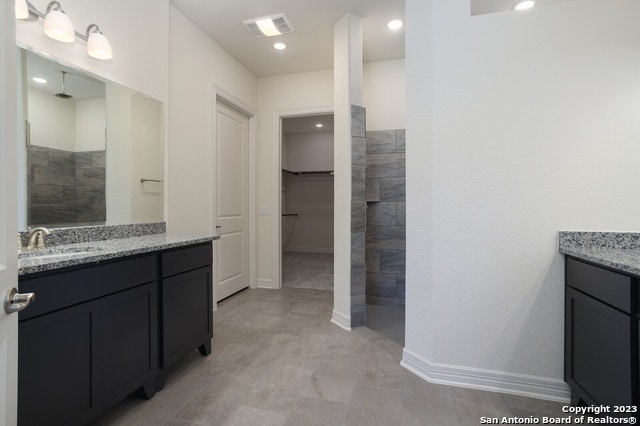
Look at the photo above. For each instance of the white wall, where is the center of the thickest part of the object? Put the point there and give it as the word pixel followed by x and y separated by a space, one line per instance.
pixel 91 122
pixel 292 94
pixel 383 94
pixel 197 64
pixel 311 151
pixel 518 125
pixel 52 120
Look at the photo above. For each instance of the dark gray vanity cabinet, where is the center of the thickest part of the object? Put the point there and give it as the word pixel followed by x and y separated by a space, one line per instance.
pixel 601 335
pixel 102 331
pixel 187 303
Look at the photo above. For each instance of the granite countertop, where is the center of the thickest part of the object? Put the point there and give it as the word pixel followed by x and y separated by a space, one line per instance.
pixel 61 256
pixel 616 250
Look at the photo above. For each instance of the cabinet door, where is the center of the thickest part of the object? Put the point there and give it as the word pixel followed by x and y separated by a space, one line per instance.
pixel 186 313
pixel 58 381
pixel 130 341
pixel 598 361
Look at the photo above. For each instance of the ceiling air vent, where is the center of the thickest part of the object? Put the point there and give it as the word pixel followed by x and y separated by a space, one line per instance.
pixel 269 26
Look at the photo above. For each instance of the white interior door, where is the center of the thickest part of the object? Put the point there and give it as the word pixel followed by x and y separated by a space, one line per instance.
pixel 8 222
pixel 232 201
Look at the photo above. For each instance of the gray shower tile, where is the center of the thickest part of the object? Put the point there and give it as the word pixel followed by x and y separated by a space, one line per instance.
pixel 357 248
pixel 46 194
pixel 358 121
pixel 381 141
pixel 358 152
pixel 381 213
pixel 357 184
pixel 54 175
pixel 85 194
pixel 392 189
pixel 385 301
pixel 358 308
pixel 386 165
pixel 372 190
pixel 401 286
pixel 84 159
pixel 99 159
pixel 358 216
pixel 372 257
pixel 358 280
pixel 402 214
pixel 400 140
pixel 94 176
pixel 62 158
pixel 38 155
pixel 43 214
pixel 381 285
pixel 392 261
pixel 386 237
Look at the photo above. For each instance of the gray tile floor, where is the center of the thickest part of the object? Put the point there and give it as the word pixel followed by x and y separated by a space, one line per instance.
pixel 307 270
pixel 278 360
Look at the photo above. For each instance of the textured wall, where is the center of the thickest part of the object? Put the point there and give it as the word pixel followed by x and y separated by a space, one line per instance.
pixel 65 187
pixel 386 235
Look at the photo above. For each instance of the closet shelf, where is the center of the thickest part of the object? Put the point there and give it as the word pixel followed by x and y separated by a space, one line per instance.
pixel 309 172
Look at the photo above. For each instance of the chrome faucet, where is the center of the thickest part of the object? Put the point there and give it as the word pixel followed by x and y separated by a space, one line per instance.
pixel 35 240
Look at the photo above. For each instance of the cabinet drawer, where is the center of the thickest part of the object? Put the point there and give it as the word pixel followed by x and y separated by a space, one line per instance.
pixel 610 287
pixel 186 259
pixel 57 291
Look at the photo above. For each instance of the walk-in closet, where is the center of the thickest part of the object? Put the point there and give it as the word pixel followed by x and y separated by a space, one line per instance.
pixel 307 202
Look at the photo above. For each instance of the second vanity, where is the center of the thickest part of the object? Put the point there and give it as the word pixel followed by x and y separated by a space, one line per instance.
pixel 602 319
pixel 110 318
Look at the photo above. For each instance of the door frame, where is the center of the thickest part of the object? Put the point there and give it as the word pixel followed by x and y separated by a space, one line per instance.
pixel 276 197
pixel 221 95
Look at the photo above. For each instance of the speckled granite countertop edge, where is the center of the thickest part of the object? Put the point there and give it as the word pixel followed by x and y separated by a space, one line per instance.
pixel 98 251
pixel 616 250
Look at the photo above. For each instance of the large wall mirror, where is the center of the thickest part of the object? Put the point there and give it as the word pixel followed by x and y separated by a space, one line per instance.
pixel 91 151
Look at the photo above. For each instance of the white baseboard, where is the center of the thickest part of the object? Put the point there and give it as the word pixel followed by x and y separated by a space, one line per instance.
pixel 488 380
pixel 264 283
pixel 309 249
pixel 341 321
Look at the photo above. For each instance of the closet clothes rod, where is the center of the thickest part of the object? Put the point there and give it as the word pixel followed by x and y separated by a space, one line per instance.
pixel 310 172
pixel 143 180
pixel 289 214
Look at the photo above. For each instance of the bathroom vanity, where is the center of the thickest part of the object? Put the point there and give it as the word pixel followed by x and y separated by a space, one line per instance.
pixel 109 322
pixel 602 318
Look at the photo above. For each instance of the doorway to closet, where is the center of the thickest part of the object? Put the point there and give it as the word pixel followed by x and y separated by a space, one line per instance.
pixel 307 201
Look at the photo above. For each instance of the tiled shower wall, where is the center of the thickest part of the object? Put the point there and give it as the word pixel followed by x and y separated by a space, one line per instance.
pixel 358 215
pixel 385 218
pixel 65 187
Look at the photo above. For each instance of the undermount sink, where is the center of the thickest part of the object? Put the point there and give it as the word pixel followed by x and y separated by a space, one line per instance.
pixel 58 252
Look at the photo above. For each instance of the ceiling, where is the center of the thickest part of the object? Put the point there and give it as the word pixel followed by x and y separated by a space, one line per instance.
pixel 307 124
pixel 77 84
pixel 310 46
pixel 479 7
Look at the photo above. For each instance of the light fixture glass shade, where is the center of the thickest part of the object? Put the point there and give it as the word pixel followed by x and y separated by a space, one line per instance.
pixel 22 10
pixel 58 26
pixel 98 46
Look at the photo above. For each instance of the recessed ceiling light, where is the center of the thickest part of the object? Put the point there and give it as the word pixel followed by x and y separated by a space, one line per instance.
pixel 280 46
pixel 319 125
pixel 39 80
pixel 523 5
pixel 396 24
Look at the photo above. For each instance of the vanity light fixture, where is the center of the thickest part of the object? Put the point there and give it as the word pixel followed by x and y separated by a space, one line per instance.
pixel 524 5
pixel 58 26
pixel 279 46
pixel 319 125
pixel 22 9
pixel 39 80
pixel 97 44
pixel 395 24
